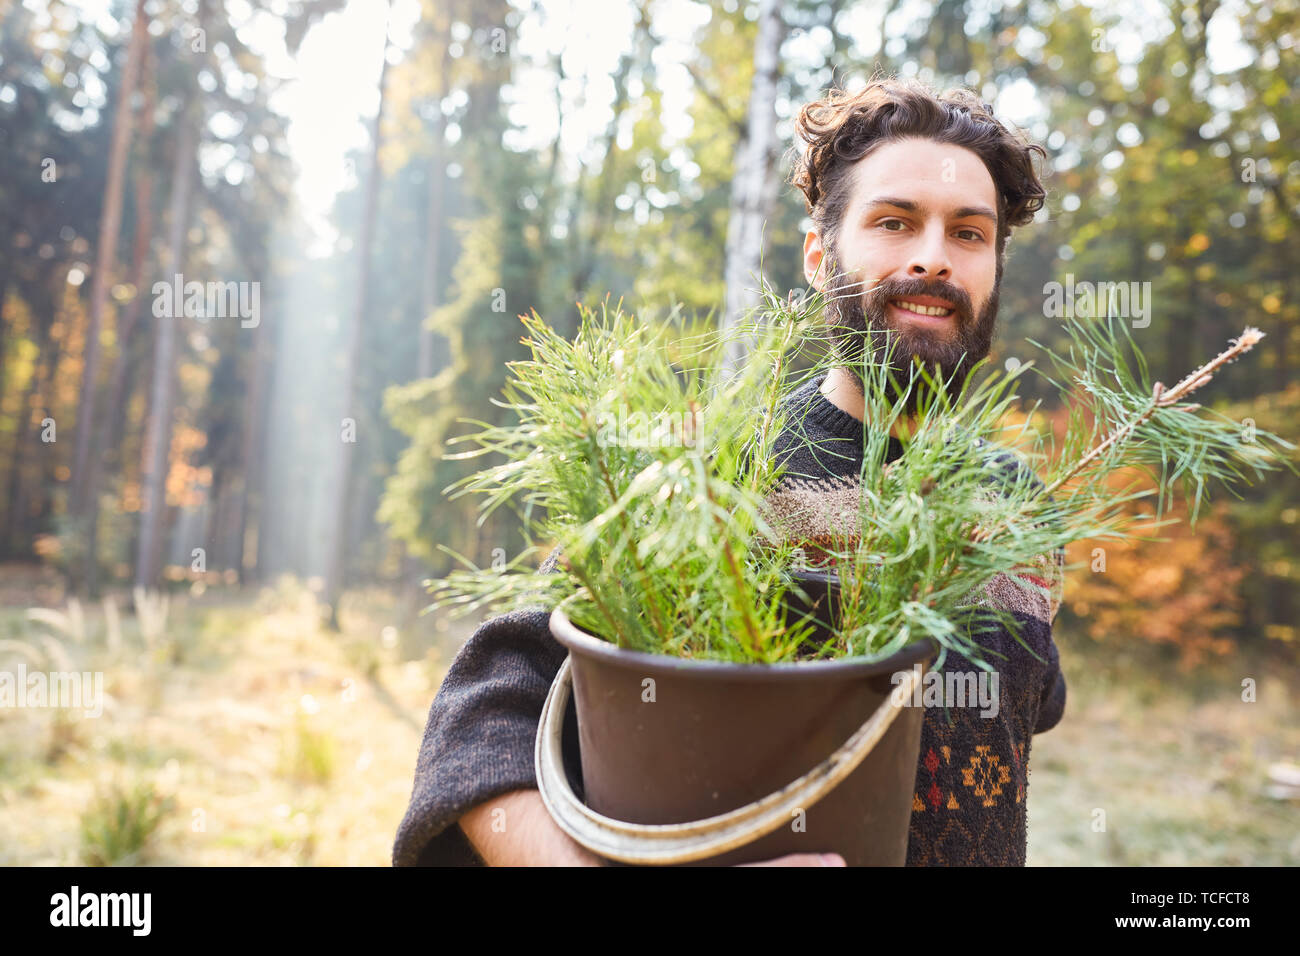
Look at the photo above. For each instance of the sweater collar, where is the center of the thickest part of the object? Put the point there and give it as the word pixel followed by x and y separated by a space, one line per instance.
pixel 824 414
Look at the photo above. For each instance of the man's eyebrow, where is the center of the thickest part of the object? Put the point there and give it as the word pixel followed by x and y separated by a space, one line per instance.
pixel 964 212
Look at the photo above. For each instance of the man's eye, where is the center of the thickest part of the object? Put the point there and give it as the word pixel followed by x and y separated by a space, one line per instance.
pixel 973 235
pixel 892 222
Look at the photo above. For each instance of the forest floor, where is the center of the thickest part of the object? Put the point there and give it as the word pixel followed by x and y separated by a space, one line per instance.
pixel 239 732
pixel 1153 765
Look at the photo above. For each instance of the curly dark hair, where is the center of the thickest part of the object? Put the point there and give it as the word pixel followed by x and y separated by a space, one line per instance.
pixel 844 127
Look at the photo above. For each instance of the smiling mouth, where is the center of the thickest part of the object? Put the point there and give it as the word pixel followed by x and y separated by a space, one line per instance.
pixel 922 309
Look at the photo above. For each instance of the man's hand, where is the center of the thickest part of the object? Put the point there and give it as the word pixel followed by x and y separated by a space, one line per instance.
pixel 515 829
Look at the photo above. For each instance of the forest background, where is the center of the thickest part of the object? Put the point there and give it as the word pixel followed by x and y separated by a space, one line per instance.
pixel 228 511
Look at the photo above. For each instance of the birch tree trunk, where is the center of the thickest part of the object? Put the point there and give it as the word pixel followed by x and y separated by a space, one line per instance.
pixel 753 186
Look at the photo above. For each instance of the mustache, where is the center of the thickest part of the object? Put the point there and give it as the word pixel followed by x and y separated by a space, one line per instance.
pixel 880 291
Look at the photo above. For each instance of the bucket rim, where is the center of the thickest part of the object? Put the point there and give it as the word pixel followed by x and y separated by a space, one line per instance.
pixel 583 644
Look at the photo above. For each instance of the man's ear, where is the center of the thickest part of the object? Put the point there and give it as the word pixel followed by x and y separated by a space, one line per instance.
pixel 813 260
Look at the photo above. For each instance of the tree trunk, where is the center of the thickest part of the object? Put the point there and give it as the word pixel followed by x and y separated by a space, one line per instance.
pixel 157 443
pixel 105 255
pixel 334 567
pixel 109 429
pixel 249 482
pixel 753 189
pixel 4 294
pixel 16 501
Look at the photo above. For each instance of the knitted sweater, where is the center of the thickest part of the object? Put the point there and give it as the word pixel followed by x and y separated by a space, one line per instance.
pixel 969 803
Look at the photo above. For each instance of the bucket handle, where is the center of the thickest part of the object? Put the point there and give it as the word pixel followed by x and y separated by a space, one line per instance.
pixel 669 843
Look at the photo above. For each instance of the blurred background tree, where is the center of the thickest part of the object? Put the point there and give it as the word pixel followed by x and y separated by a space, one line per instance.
pixel 537 153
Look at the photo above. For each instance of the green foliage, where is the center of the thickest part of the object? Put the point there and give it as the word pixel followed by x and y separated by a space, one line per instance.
pixel 1115 391
pixel 500 268
pixel 1167 166
pixel 118 827
pixel 665 542
pixel 650 522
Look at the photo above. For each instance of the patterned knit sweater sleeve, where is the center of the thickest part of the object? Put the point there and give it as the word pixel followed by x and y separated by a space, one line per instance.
pixel 479 737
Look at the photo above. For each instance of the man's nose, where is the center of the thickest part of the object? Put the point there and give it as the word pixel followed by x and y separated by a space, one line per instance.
pixel 930 256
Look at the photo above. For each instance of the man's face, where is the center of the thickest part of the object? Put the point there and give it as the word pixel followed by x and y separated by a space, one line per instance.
pixel 919 231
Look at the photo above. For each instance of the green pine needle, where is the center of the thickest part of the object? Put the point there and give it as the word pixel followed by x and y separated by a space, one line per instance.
pixel 646 460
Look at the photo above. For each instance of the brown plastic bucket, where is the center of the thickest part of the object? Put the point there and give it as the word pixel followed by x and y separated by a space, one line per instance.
pixel 666 741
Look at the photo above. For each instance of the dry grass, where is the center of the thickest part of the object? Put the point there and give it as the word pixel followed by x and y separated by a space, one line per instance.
pixel 246 735
pixel 1178 763
pixel 267 740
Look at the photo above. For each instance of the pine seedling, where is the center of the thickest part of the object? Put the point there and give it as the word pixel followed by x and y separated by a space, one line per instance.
pixel 646 460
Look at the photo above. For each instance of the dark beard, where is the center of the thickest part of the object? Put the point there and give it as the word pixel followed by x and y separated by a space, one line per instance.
pixel 856 319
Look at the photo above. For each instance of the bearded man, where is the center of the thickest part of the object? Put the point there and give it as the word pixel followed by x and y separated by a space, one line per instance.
pixel 912 196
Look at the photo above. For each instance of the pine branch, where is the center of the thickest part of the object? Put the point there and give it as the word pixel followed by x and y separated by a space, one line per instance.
pixel 1160 399
pixel 667 547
